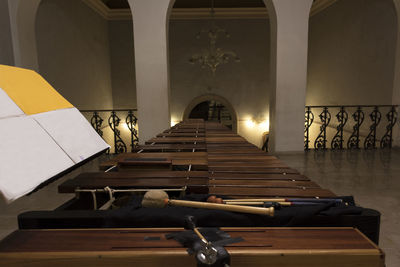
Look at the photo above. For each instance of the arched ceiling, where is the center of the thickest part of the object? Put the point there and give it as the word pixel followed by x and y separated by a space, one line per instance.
pixel 198 9
pixel 195 3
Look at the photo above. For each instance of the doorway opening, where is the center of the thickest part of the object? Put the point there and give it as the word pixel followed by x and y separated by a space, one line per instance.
pixel 212 111
pixel 212 108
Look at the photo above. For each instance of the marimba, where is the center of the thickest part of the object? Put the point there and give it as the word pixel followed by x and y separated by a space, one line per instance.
pixel 198 159
pixel 286 247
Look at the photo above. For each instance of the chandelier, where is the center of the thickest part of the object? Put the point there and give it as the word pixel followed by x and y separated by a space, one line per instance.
pixel 213 56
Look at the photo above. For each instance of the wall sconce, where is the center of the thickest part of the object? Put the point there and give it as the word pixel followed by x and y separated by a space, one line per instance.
pixel 174 122
pixel 264 126
pixel 250 123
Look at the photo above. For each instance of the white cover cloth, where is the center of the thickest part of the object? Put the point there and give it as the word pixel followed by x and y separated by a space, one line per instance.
pixel 7 107
pixel 29 156
pixel 72 132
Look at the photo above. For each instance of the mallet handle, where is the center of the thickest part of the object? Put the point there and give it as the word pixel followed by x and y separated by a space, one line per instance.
pixel 255 203
pixel 200 235
pixel 255 200
pixel 215 206
pixel 284 200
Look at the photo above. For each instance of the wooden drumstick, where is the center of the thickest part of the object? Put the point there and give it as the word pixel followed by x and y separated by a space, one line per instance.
pixel 158 199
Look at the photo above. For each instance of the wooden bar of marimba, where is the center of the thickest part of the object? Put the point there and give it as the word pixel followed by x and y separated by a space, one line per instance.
pixel 284 247
pixel 176 140
pixel 198 160
pixel 170 148
pixel 231 172
pixel 202 159
pixel 138 179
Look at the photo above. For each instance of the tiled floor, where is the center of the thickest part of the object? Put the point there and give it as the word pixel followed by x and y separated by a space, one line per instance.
pixel 372 177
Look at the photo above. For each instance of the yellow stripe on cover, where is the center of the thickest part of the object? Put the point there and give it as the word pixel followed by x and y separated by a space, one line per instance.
pixel 30 91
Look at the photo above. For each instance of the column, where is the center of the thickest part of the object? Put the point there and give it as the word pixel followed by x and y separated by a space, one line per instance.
pixel 396 82
pixel 22 21
pixel 289 45
pixel 6 47
pixel 150 28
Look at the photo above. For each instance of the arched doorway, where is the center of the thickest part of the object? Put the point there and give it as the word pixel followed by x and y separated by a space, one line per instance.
pixel 212 108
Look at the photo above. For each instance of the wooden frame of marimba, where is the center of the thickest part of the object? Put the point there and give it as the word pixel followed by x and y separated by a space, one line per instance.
pixel 195 157
pixel 286 247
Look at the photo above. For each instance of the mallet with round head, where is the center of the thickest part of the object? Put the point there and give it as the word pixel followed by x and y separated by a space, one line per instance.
pixel 159 199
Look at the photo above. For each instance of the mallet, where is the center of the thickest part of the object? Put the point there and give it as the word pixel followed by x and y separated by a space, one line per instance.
pixel 208 254
pixel 159 199
pixel 316 200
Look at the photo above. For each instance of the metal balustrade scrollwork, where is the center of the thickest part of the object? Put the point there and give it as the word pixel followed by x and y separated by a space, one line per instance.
pixel 386 141
pixel 308 121
pixel 337 141
pixel 320 141
pixel 117 133
pixel 96 121
pixel 340 132
pixel 370 141
pixel 354 140
pixel 119 144
pixel 131 122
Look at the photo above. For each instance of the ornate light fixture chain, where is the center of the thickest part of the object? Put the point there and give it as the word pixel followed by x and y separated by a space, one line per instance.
pixel 213 56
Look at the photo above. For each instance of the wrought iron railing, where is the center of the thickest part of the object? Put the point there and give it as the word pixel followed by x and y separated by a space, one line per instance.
pixel 116 133
pixel 351 127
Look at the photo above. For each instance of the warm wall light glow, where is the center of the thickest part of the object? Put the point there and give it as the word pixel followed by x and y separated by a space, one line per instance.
pixel 250 123
pixel 173 122
pixel 125 126
pixel 264 126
